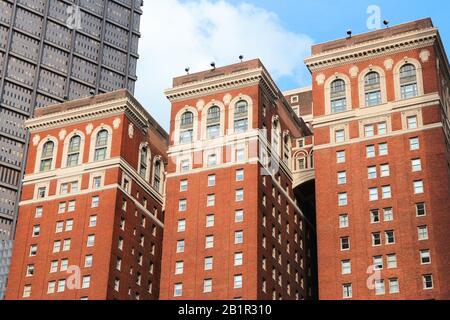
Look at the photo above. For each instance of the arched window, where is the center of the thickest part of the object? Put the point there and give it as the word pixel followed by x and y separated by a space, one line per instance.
pixel 143 162
pixel 213 122
pixel 187 127
pixel 287 149
pixel 157 175
pixel 73 153
pixel 241 116
pixel 338 96
pixel 47 156
pixel 101 145
pixel 408 81
pixel 276 136
pixel 372 89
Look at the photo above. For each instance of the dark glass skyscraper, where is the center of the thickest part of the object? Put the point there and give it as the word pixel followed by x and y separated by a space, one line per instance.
pixel 51 51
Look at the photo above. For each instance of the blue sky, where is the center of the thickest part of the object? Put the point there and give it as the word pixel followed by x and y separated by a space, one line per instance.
pixel 180 33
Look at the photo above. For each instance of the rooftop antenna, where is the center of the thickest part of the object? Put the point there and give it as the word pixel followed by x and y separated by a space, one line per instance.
pixel 386 23
pixel 349 33
pixel 241 57
pixel 187 70
pixel 213 65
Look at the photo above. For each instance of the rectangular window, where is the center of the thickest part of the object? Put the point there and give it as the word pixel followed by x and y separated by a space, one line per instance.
pixel 416 165
pixel 414 144
pixel 238 259
pixel 71 206
pixel 379 286
pixel 181 225
pixel 425 256
pixel 427 280
pixel 342 177
pixel 376 239
pixel 378 262
pixel 346 267
pixel 183 185
pixel 420 209
pixel 239 196
pixel 391 261
pixel 340 156
pixel 184 166
pixel 345 243
pixel 418 187
pixel 179 267
pixel 178 290
pixel 88 261
pixel 370 151
pixel 373 194
pixel 90 240
pixel 51 287
pixel 97 182
pixel 210 200
pixel 411 122
pixel 207 285
pixel 209 242
pixel 343 221
pixel 386 192
pixel 95 202
pixel 92 221
pixel 208 265
pixel 210 221
pixel 372 173
pixel 240 154
pixel 182 205
pixel 393 285
pixel 347 291
pixel 36 230
pixel 239 237
pixel 239 215
pixel 238 281
pixel 389 237
pixel 38 212
pixel 385 170
pixel 374 216
pixel 69 225
pixel 66 244
pixel 369 130
pixel 180 246
pixel 388 214
pixel 59 226
pixel 56 246
pixel 422 232
pixel 54 266
pixel 383 149
pixel 339 135
pixel 211 180
pixel 342 199
pixel 64 265
pixel 240 175
pixel 382 128
pixel 61 207
pixel 86 282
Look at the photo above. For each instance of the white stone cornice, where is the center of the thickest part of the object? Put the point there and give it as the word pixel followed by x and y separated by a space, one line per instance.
pixel 371 49
pixel 89 112
pixel 221 83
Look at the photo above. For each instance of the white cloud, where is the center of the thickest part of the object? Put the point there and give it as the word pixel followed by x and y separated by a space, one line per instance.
pixel 177 34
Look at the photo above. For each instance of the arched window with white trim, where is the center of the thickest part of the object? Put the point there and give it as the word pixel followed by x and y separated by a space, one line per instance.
pixel 187 127
pixel 73 151
pixel 276 132
pixel 241 116
pixel 338 96
pixel 101 145
pixel 143 162
pixel 157 176
pixel 408 81
pixel 372 89
pixel 47 156
pixel 213 122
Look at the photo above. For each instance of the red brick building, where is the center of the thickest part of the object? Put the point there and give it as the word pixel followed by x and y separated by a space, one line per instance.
pixel 91 213
pixel 380 118
pixel 233 227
